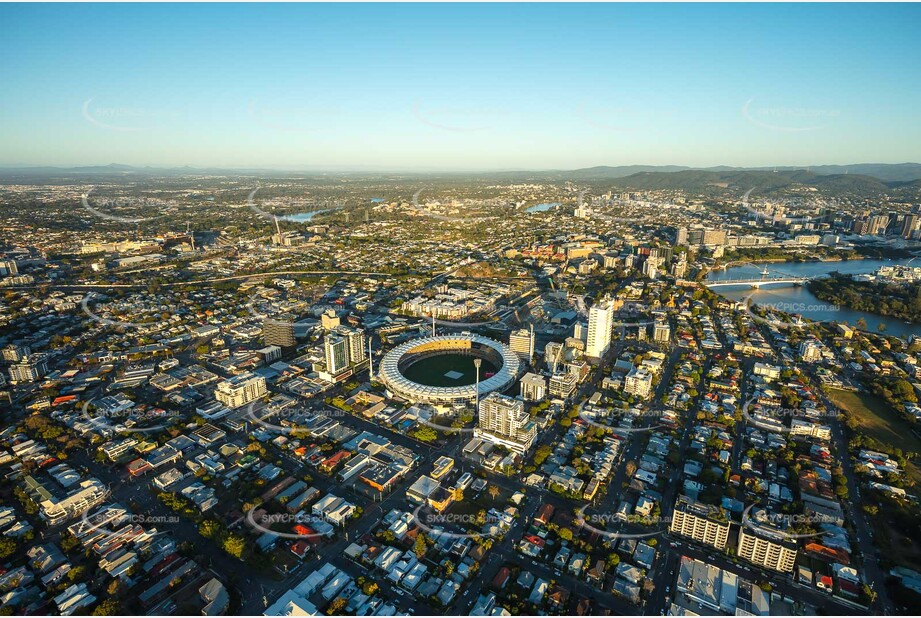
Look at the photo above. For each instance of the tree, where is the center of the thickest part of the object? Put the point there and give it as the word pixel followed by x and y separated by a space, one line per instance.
pixel 565 534
pixel 234 544
pixel 425 434
pixel 419 547
pixel 109 607
pixel 7 547
pixel 209 529
pixel 369 588
pixel 494 491
pixel 335 608
pixel 630 468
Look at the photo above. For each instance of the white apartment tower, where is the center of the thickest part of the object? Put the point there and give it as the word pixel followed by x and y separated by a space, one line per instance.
pixel 533 387
pixel 600 323
pixel 240 390
pixel 503 421
pixel 700 522
pixel 767 548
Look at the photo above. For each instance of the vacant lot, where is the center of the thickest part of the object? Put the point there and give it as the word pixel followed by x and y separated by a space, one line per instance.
pixel 880 421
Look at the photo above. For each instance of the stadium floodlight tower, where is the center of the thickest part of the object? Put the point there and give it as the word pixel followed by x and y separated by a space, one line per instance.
pixel 476 363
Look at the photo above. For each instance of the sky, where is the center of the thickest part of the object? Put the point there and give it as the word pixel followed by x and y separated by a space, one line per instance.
pixel 435 87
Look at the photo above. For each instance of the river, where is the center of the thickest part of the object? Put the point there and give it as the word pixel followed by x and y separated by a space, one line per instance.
pixel 797 299
pixel 542 207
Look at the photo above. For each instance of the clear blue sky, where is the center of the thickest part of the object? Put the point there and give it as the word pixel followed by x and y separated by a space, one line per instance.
pixel 415 86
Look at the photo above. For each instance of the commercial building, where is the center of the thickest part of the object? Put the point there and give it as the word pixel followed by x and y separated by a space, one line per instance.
pixel 240 390
pixel 767 549
pixel 910 226
pixel 700 522
pixel 90 493
pixel 701 236
pixel 503 421
pixel 600 323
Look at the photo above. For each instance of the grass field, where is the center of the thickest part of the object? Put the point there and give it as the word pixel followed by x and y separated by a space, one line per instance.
pixel 881 422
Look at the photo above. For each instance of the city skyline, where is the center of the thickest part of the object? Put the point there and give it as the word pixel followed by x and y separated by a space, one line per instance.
pixel 458 88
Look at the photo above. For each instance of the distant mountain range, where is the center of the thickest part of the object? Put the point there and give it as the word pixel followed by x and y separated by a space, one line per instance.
pixel 888 172
pixel 764 181
pixel 861 179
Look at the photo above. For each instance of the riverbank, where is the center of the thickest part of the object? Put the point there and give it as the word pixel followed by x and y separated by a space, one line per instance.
pixel 902 302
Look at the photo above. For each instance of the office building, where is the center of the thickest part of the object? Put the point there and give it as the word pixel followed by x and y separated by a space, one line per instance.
pixel 503 421
pixel 766 548
pixel 701 236
pixel 533 387
pixel 329 320
pixel 600 323
pixel 910 226
pixel 522 343
pixel 700 522
pixel 279 331
pixel 240 390
pixel 681 236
